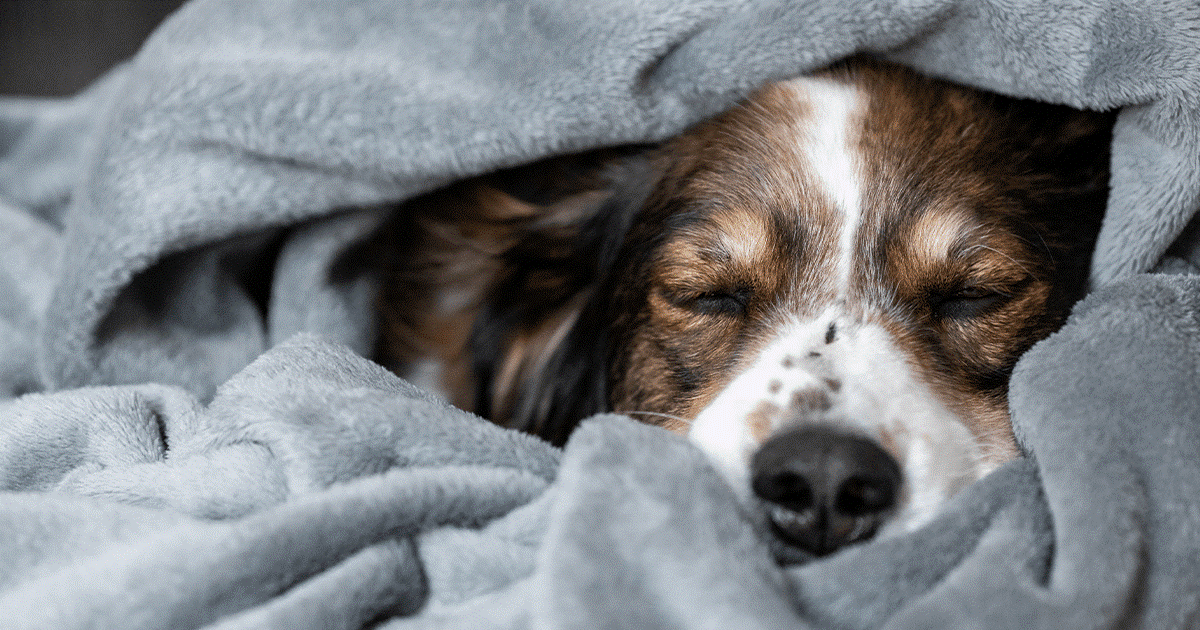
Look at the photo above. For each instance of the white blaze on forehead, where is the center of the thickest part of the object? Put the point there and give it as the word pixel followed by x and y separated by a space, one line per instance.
pixel 827 139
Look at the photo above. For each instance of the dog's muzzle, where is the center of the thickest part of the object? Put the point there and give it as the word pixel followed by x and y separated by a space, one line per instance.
pixel 823 488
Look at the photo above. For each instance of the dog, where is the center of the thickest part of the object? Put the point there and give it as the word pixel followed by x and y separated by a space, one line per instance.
pixel 826 288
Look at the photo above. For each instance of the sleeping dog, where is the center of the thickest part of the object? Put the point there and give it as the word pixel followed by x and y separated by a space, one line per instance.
pixel 825 287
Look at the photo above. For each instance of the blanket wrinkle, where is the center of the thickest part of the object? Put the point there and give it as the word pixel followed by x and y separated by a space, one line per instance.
pixel 191 437
pixel 613 537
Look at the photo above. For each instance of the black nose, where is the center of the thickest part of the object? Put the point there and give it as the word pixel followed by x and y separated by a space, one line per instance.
pixel 825 488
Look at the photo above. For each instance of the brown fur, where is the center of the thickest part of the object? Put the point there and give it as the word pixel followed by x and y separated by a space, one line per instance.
pixel 718 236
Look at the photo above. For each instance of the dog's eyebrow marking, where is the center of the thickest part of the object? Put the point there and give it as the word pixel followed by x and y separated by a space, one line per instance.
pixel 739 236
pixel 935 234
pixel 831 334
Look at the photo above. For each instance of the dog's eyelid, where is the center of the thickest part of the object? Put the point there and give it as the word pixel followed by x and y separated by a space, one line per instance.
pixel 973 292
pixel 977 285
pixel 726 301
pixel 970 300
pixel 739 294
pixel 1004 287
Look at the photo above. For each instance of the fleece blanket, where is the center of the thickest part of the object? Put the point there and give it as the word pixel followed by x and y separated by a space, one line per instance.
pixel 191 437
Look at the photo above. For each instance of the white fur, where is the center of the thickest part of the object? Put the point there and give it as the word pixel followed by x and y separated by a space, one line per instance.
pixel 878 396
pixel 827 141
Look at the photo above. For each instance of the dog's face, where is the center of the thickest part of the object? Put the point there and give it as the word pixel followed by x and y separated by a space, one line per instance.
pixel 826 288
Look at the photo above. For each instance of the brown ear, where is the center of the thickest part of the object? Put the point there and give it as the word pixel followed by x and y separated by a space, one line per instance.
pixel 486 276
pixel 1069 147
pixel 1063 156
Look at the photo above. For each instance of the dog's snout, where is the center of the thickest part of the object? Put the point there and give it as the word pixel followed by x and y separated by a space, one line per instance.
pixel 824 488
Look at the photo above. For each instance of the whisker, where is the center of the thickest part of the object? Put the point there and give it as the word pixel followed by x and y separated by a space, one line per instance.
pixel 660 414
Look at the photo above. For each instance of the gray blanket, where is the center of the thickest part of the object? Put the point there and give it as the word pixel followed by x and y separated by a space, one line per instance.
pixel 190 437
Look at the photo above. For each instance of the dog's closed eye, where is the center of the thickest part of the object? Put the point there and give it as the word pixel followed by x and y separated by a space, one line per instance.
pixel 968 301
pixel 732 301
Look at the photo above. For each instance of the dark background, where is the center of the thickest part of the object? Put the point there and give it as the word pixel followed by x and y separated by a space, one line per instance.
pixel 58 47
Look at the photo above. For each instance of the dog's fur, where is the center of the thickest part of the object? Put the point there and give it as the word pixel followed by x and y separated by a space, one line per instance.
pixel 865 248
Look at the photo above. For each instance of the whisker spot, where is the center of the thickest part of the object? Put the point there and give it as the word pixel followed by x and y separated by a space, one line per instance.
pixel 808 400
pixel 760 421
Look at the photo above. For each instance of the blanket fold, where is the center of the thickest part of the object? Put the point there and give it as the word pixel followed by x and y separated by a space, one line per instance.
pixel 191 437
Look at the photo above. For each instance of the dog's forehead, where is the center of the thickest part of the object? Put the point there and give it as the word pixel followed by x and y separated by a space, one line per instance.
pixel 775 186
pixel 791 148
pixel 837 175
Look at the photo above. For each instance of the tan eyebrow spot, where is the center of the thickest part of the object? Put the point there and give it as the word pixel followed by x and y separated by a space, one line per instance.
pixel 730 243
pixel 742 234
pixel 935 234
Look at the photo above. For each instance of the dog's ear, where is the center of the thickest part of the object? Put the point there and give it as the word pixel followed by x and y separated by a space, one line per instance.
pixel 538 346
pixel 1069 147
pixel 1061 158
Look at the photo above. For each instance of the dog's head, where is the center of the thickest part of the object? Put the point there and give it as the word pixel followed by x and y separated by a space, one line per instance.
pixel 826 287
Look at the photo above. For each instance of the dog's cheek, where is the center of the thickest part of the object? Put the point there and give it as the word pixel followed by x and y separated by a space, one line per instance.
pixel 643 384
pixel 993 343
pixel 675 362
pixel 967 364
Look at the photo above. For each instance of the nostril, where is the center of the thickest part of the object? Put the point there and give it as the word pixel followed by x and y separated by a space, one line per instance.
pixel 824 488
pixel 860 495
pixel 788 488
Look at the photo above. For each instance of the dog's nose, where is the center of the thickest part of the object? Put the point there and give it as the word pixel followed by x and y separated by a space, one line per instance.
pixel 824 488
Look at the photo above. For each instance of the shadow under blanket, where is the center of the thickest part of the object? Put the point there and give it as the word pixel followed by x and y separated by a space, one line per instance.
pixel 190 436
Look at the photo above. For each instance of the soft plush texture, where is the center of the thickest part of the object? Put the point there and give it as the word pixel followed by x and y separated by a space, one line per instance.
pixel 190 435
